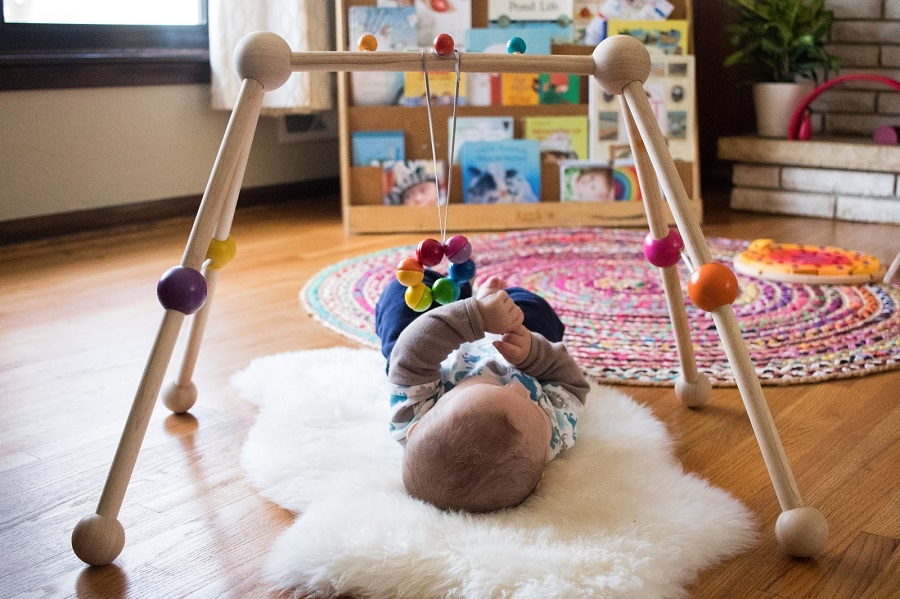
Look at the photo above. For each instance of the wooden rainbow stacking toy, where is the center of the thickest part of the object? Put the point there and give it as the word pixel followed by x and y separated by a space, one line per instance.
pixel 621 65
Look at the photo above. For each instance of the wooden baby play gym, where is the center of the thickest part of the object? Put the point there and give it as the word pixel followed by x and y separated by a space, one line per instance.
pixel 621 65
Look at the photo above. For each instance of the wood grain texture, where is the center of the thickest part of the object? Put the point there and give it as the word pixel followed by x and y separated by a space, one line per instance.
pixel 78 316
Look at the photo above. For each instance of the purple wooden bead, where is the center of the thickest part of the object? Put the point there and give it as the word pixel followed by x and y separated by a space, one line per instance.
pixel 458 249
pixel 181 289
pixel 663 252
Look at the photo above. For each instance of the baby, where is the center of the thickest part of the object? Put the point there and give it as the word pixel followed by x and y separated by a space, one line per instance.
pixel 478 428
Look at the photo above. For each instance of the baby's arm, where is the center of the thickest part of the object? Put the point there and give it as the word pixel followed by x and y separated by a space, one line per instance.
pixel 430 338
pixel 423 345
pixel 548 361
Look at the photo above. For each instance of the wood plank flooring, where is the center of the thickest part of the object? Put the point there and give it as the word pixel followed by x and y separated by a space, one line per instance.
pixel 78 316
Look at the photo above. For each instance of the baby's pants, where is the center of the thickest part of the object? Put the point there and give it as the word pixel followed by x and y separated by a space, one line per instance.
pixel 392 315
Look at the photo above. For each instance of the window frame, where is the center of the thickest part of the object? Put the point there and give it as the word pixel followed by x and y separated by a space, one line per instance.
pixel 55 56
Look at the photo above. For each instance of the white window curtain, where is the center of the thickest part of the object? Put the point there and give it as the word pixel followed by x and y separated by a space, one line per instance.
pixel 306 25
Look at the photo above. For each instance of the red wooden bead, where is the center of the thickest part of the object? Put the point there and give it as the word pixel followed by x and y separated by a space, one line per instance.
pixel 711 286
pixel 443 44
pixel 430 252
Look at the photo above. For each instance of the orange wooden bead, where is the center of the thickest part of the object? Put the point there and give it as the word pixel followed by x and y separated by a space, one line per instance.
pixel 367 43
pixel 410 272
pixel 712 285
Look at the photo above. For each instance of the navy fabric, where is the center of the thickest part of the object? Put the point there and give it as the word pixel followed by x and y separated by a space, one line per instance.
pixel 392 315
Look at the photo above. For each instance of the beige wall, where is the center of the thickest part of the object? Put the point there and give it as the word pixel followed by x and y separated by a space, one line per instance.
pixel 75 149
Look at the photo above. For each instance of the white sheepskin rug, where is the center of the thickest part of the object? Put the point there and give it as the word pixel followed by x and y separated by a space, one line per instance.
pixel 616 517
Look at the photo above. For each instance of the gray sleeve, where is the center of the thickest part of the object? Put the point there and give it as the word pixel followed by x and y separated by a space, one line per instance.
pixel 423 345
pixel 551 362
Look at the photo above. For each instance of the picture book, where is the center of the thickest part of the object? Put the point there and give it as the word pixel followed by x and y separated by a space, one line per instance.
pixel 530 10
pixel 668 37
pixel 412 182
pixel 670 92
pixel 487 89
pixel 558 32
pixel 559 88
pixel 560 137
pixel 501 172
pixel 638 10
pixel 586 181
pixel 441 85
pixel 598 181
pixel 452 17
pixel 372 148
pixel 396 30
pixel 583 12
pixel 479 128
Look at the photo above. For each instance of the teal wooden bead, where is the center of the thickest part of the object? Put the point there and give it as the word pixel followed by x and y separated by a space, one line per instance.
pixel 462 272
pixel 515 45
pixel 445 291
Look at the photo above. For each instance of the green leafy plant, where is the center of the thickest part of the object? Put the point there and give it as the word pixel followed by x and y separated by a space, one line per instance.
pixel 782 40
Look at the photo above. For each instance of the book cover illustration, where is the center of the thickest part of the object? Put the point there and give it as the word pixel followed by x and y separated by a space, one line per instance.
pixel 583 12
pixel 559 88
pixel 560 137
pixel 396 29
pixel 668 37
pixel 372 148
pixel 532 10
pixel 487 89
pixel 442 86
pixel 598 181
pixel 479 128
pixel 412 182
pixel 637 10
pixel 452 17
pixel 670 92
pixel 501 172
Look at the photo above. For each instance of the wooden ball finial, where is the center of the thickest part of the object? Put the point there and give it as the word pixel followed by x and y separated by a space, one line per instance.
pixel 265 57
pixel 619 60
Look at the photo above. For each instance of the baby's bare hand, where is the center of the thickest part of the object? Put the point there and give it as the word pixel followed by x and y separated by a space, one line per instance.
pixel 515 345
pixel 500 313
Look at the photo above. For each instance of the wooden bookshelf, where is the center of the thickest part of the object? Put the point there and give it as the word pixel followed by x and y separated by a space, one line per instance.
pixel 362 202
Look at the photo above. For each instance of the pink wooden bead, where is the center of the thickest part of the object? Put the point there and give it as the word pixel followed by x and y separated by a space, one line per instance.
pixel 458 249
pixel 663 252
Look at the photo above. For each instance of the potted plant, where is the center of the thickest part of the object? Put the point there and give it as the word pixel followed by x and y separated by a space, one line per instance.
pixel 782 42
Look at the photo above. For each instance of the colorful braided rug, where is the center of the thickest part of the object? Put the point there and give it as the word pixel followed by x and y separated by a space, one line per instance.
pixel 617 324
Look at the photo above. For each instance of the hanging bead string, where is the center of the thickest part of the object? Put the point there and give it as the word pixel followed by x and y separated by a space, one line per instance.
pixel 442 199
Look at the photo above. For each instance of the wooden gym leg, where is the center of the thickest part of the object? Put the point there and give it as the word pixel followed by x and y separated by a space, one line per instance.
pixel 181 394
pixel 801 530
pixel 99 538
pixel 692 388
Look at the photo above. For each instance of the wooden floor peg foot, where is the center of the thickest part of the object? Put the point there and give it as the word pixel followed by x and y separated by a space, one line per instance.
pixel 802 531
pixel 98 540
pixel 693 394
pixel 179 398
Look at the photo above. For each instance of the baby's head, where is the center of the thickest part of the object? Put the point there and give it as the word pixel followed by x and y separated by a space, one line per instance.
pixel 481 448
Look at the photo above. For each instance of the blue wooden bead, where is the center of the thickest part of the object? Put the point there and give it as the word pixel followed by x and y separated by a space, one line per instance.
pixel 181 289
pixel 515 45
pixel 462 272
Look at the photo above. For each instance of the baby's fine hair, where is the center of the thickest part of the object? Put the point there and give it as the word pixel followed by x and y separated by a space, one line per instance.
pixel 474 461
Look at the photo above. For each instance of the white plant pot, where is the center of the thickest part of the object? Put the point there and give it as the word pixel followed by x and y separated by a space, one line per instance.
pixel 775 104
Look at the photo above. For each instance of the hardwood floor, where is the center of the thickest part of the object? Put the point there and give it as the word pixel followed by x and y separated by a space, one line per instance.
pixel 78 316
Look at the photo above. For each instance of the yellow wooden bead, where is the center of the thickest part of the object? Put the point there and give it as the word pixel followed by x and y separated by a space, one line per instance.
pixel 220 253
pixel 418 298
pixel 367 43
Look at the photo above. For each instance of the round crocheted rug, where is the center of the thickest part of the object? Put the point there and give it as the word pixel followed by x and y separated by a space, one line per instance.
pixel 617 324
